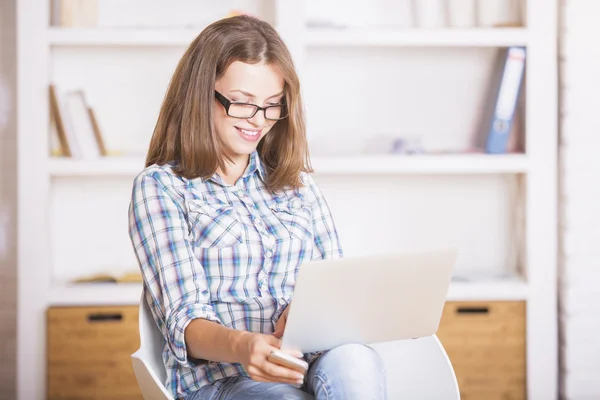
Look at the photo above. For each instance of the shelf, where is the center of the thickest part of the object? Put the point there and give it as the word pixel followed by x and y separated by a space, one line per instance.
pixel 422 164
pixel 108 166
pixel 499 37
pixel 96 294
pixel 121 36
pixel 99 294
pixel 355 165
pixel 499 290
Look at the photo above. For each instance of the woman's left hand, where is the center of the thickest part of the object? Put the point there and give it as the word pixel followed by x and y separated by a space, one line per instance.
pixel 280 325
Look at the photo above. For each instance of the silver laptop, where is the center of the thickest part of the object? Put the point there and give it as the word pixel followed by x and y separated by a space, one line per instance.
pixel 368 300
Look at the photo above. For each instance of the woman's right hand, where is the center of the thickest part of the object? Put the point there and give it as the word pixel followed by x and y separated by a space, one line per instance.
pixel 253 350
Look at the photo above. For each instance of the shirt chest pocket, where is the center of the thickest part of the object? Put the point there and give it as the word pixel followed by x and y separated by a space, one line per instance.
pixel 295 218
pixel 214 225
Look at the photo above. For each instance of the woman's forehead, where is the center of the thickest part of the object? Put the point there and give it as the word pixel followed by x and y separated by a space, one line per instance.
pixel 259 80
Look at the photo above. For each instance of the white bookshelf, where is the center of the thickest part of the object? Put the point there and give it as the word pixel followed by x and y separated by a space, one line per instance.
pixel 332 165
pixel 435 76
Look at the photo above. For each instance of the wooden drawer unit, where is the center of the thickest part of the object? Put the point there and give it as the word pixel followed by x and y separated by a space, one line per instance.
pixel 486 345
pixel 89 350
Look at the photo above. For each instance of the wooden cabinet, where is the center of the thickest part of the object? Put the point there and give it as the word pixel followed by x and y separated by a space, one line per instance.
pixel 486 345
pixel 89 351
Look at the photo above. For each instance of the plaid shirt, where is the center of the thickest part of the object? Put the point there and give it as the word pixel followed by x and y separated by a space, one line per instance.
pixel 225 253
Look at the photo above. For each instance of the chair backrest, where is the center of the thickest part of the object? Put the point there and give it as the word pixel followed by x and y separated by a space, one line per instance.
pixel 147 361
pixel 418 369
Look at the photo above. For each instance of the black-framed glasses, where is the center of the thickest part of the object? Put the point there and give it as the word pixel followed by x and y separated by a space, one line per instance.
pixel 249 110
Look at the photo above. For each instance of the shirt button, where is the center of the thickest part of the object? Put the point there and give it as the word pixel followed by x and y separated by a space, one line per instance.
pixel 269 254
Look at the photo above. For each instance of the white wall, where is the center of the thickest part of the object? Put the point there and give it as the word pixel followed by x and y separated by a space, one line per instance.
pixel 580 195
pixel 352 95
pixel 8 192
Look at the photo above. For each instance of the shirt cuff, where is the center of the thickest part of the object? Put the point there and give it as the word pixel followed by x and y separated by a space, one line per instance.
pixel 282 304
pixel 176 328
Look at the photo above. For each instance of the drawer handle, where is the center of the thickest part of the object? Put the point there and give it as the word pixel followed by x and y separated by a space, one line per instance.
pixel 472 310
pixel 102 317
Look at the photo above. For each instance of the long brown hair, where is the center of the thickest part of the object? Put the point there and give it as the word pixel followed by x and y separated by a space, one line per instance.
pixel 185 133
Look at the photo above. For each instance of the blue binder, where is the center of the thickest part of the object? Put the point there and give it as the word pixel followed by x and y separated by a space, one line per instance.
pixel 499 114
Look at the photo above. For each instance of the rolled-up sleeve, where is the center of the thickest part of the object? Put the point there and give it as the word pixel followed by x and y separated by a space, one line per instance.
pixel 326 239
pixel 174 279
pixel 280 308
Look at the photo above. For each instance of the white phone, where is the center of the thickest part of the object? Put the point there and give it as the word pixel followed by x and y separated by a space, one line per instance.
pixel 286 360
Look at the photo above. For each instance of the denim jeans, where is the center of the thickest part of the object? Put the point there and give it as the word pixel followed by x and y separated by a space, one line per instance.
pixel 349 372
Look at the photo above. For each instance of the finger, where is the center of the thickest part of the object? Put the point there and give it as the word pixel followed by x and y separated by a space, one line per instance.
pixel 273 341
pixel 291 352
pixel 294 353
pixel 275 379
pixel 258 375
pixel 261 376
pixel 278 331
pixel 281 372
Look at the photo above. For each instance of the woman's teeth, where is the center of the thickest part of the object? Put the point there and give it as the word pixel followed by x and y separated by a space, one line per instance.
pixel 249 133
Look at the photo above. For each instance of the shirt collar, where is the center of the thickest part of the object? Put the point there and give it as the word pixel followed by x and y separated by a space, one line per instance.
pixel 254 165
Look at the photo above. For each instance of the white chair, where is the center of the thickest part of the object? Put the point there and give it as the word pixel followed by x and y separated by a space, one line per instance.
pixel 147 361
pixel 417 369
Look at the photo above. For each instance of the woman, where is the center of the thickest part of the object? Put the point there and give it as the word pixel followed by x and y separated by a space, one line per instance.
pixel 223 216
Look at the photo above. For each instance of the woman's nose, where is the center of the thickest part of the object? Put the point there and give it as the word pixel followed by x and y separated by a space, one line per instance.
pixel 258 119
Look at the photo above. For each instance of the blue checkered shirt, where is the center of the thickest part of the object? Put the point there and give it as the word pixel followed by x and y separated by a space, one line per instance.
pixel 225 253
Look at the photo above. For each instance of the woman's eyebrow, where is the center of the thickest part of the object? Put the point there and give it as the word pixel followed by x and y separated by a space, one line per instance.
pixel 251 95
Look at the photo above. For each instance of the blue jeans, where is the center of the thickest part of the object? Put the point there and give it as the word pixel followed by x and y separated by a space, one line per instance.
pixel 347 372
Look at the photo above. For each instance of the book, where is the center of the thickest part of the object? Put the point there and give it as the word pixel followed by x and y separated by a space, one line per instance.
pixel 499 113
pixel 74 13
pixel 59 121
pixel 81 124
pixel 74 127
pixel 129 277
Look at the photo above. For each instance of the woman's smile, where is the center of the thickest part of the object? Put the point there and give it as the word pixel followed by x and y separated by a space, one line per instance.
pixel 250 135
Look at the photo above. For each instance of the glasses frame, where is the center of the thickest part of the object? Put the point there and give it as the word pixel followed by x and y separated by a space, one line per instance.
pixel 226 103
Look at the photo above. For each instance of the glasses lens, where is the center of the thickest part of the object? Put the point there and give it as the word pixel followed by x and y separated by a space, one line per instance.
pixel 275 112
pixel 241 110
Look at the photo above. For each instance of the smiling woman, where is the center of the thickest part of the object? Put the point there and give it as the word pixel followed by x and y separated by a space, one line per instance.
pixel 244 64
pixel 222 218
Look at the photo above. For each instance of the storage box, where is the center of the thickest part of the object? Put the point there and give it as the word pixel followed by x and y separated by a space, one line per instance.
pixel 89 350
pixel 485 342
